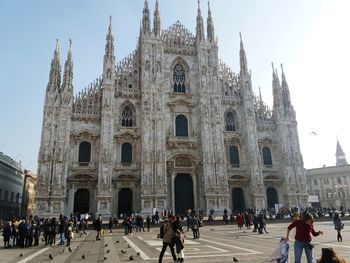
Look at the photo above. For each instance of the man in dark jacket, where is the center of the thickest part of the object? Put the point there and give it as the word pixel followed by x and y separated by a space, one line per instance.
pixel 98 227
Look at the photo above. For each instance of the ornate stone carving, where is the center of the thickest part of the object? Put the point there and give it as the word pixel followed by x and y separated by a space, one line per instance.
pixel 183 162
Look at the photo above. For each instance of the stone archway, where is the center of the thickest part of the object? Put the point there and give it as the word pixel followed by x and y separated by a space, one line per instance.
pixel 125 202
pixel 81 201
pixel 272 197
pixel 184 194
pixel 238 202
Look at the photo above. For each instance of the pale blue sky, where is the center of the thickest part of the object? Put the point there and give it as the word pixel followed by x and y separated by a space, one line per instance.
pixel 311 39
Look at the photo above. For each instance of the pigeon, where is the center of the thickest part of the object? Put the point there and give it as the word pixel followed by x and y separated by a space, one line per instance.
pixel 69 249
pixel 235 259
pixel 83 256
pixel 129 246
pixel 50 257
pixel 131 258
pixel 105 258
pixel 123 252
pixel 138 254
pixel 117 241
pixel 106 245
pixel 108 251
pixel 21 255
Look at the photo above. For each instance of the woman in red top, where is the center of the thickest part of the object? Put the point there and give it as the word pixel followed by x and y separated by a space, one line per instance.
pixel 304 229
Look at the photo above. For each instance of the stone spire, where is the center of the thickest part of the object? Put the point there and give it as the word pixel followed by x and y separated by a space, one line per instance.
pixel 285 91
pixel 109 49
pixel 68 69
pixel 157 26
pixel 200 27
pixel 340 155
pixel 55 70
pixel 146 23
pixel 210 26
pixel 243 57
pixel 276 90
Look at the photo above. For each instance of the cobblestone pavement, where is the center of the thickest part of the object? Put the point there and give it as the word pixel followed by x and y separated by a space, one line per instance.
pixel 219 245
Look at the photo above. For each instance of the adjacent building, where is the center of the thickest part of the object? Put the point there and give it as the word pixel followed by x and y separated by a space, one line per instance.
pixel 331 184
pixel 170 126
pixel 28 193
pixel 11 186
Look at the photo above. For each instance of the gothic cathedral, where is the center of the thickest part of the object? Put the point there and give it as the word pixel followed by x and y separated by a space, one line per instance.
pixel 168 127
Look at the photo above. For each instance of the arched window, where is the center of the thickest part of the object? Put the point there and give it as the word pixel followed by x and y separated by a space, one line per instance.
pixel 6 195
pixel 12 196
pixel 230 121
pixel 126 153
pixel 267 158
pixel 234 156
pixel 84 153
pixel 181 126
pixel 127 116
pixel 17 198
pixel 179 78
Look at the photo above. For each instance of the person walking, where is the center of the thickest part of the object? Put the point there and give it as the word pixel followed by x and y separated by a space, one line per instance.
pixel 98 227
pixel 148 223
pixel 52 234
pixel 338 225
pixel 303 239
pixel 194 226
pixel 6 233
pixel 178 239
pixel 110 224
pixel 61 229
pixel 69 233
pixel 168 239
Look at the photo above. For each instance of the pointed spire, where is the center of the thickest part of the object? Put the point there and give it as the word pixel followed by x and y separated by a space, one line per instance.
pixel 276 89
pixel 146 23
pixel 68 69
pixel 109 49
pixel 55 70
pixel 200 27
pixel 156 21
pixel 285 90
pixel 243 56
pixel 340 155
pixel 210 26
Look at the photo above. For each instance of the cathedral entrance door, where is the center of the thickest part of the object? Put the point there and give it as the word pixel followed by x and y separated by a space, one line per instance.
pixel 238 202
pixel 272 197
pixel 184 198
pixel 125 202
pixel 81 201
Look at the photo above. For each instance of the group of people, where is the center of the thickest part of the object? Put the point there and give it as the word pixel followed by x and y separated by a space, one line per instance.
pixel 26 232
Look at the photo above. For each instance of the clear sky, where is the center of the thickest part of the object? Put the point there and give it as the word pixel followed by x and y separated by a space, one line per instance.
pixel 311 38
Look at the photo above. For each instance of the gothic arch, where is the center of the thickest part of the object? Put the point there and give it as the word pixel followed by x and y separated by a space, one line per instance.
pixel 127 114
pixel 230 120
pixel 180 72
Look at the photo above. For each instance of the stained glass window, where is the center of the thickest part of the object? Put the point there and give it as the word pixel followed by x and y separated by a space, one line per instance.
pixel 179 78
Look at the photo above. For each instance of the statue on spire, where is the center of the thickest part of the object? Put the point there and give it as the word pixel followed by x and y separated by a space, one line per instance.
pixel 146 23
pixel 55 70
pixel 243 56
pixel 156 22
pixel 200 27
pixel 210 26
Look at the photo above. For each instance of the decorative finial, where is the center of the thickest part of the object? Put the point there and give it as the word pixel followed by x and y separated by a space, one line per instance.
pixel 70 44
pixel 282 68
pixel 240 36
pixel 273 68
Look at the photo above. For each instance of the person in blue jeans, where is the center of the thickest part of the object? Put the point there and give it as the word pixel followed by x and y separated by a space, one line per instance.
pixel 304 229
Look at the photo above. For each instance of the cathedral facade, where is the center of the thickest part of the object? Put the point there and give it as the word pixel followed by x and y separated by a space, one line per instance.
pixel 168 127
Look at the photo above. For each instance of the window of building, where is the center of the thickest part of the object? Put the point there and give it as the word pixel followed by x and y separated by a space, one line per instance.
pixel 267 157
pixel 339 181
pixel 12 196
pixel 84 153
pixel 127 116
pixel 126 157
pixel 17 198
pixel 230 121
pixel 179 78
pixel 315 182
pixel 234 156
pixel 6 195
pixel 181 126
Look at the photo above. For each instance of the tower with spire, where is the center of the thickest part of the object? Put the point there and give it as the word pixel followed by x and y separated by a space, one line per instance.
pixel 168 127
pixel 340 155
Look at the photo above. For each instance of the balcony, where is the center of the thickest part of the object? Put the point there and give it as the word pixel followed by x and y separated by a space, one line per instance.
pixel 176 142
pixel 126 167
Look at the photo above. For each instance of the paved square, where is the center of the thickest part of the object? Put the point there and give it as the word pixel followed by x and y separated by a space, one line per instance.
pixel 219 245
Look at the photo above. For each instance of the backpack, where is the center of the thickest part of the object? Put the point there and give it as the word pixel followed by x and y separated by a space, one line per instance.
pixel 161 231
